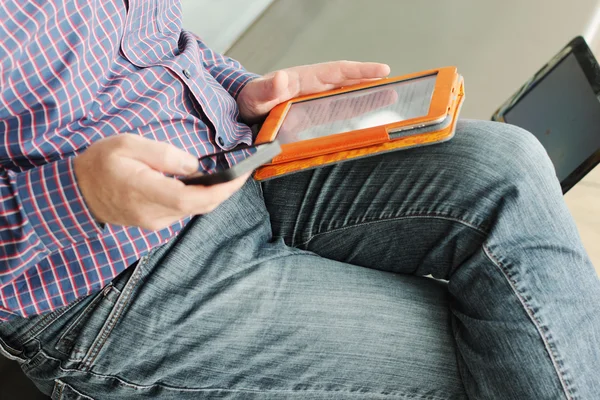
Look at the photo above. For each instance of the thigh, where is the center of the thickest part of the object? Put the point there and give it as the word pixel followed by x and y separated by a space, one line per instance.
pixel 224 311
pixel 420 211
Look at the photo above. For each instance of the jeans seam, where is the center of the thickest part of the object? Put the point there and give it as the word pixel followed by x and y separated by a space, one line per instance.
pixel 398 218
pixel 567 391
pixel 198 390
pixel 60 391
pixel 45 322
pixel 119 306
pixel 77 321
pixel 61 388
pixel 241 390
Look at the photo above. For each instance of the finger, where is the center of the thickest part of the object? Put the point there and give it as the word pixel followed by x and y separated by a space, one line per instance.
pixel 309 79
pixel 262 94
pixel 358 81
pixel 268 88
pixel 158 189
pixel 162 200
pixel 326 76
pixel 345 71
pixel 160 156
pixel 197 199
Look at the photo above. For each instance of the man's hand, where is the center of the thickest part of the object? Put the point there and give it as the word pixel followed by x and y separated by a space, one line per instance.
pixel 122 181
pixel 262 94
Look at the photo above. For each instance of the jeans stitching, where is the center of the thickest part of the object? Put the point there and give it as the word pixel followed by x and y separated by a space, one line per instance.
pixel 100 340
pixel 77 321
pixel 407 216
pixel 45 322
pixel 134 386
pixel 36 360
pixel 61 388
pixel 60 391
pixel 567 391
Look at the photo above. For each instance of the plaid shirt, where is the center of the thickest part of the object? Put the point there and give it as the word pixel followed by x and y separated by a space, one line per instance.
pixel 73 72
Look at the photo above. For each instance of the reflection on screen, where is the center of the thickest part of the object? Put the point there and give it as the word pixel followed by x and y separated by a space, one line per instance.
pixel 362 109
pixel 562 111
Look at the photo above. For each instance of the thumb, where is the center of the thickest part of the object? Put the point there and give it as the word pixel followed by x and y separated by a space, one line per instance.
pixel 160 156
pixel 270 87
pixel 262 94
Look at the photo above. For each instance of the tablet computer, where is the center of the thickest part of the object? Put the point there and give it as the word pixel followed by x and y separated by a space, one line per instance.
pixel 560 105
pixel 367 114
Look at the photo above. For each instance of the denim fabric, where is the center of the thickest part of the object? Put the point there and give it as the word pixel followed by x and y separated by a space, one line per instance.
pixel 444 272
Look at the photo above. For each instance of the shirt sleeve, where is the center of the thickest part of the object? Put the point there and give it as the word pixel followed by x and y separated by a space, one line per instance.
pixel 228 72
pixel 41 210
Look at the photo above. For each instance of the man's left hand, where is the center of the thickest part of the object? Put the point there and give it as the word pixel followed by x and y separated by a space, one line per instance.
pixel 261 95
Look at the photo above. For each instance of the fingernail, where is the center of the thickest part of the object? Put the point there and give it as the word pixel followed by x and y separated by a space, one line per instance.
pixel 387 69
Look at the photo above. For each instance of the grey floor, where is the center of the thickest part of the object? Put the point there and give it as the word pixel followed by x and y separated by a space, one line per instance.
pixel 496 46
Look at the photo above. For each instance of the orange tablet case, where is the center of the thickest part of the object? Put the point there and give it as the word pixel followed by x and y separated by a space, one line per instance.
pixel 437 126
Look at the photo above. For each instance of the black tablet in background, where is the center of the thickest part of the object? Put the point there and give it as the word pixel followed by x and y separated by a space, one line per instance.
pixel 560 105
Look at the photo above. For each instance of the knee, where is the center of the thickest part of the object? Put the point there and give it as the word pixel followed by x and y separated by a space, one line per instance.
pixel 507 154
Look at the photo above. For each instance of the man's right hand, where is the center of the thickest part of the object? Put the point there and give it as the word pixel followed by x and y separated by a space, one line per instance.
pixel 122 181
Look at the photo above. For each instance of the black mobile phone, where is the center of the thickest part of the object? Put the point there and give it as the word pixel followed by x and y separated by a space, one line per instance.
pixel 262 155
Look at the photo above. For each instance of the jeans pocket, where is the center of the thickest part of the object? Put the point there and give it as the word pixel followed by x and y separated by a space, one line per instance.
pixel 76 339
pixel 83 338
pixel 63 391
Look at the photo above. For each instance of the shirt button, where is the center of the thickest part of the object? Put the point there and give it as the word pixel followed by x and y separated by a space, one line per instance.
pixel 221 141
pixel 187 73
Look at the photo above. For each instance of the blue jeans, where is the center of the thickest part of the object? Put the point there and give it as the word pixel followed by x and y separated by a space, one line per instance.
pixel 444 272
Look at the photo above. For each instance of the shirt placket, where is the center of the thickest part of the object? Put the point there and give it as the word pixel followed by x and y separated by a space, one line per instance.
pixel 181 65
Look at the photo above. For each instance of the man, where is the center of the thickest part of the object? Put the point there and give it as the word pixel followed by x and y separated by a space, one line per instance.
pixel 309 286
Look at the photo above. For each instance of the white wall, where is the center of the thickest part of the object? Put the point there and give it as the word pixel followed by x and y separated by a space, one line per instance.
pixel 221 22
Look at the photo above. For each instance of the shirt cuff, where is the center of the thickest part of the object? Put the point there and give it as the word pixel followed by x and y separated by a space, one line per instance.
pixel 54 205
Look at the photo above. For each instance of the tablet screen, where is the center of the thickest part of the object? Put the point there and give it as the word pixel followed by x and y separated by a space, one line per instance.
pixel 361 109
pixel 563 112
